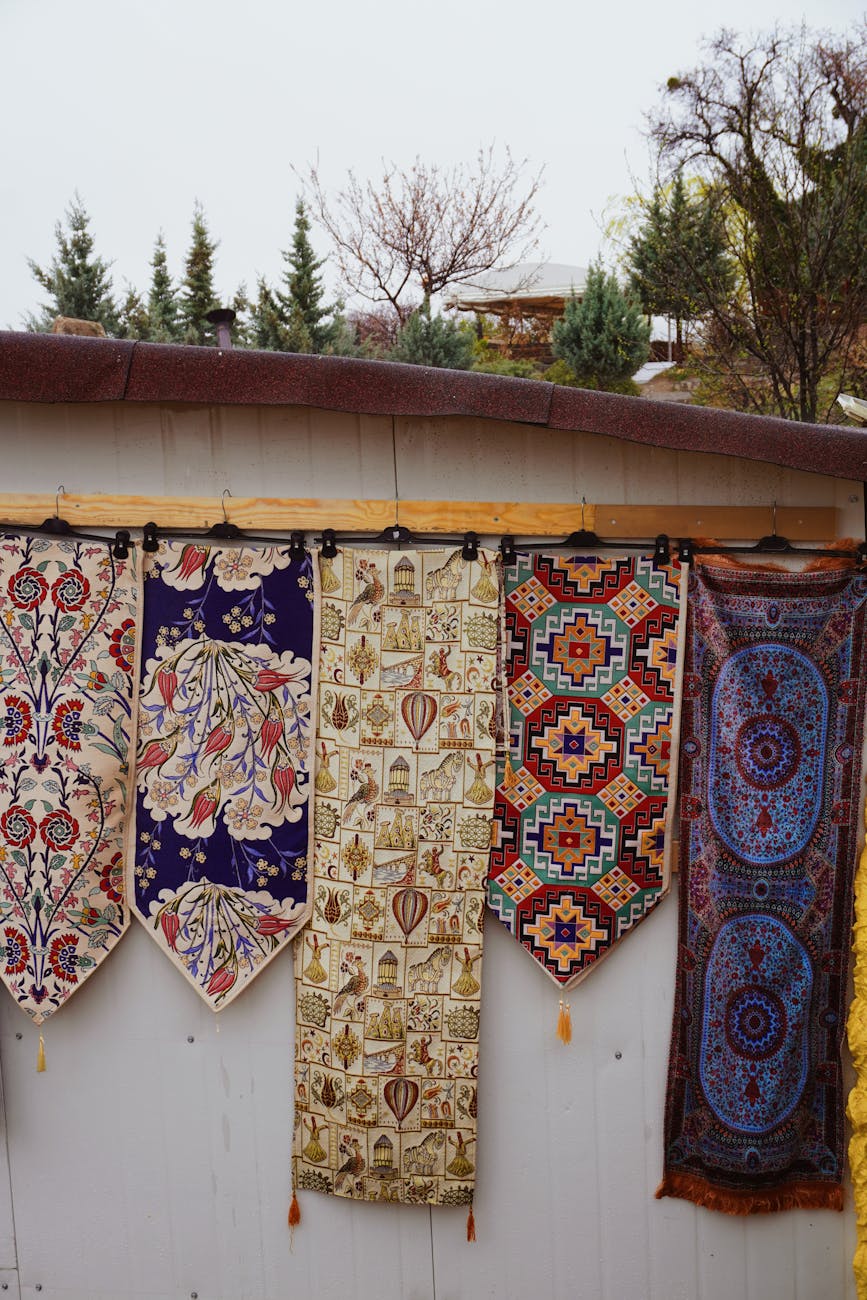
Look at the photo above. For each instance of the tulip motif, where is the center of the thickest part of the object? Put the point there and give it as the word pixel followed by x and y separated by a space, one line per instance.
pixel 283 781
pixel 156 753
pixel 192 559
pixel 219 739
pixel 269 679
pixel 273 925
pixel 271 732
pixel 167 683
pixel 205 804
pixel 221 981
pixel 171 925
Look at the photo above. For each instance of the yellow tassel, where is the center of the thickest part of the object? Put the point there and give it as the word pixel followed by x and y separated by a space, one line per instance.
pixel 40 1056
pixel 509 778
pixel 471 1225
pixel 294 1212
pixel 564 1023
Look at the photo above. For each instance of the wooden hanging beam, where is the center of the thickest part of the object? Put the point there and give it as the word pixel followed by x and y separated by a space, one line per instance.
pixel 522 518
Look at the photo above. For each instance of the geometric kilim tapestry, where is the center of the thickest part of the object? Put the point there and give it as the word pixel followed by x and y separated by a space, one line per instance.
pixel 66 684
pixel 773 711
pixel 388 972
pixel 220 846
pixel 583 811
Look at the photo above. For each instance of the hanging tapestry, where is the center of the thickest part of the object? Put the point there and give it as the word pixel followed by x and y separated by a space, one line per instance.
pixel 67 636
pixel 388 972
pixel 856 1031
pixel 584 807
pixel 219 855
pixel 770 798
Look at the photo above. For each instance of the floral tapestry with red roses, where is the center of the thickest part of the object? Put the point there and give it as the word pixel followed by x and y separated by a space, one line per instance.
pixel 219 858
pixel 67 636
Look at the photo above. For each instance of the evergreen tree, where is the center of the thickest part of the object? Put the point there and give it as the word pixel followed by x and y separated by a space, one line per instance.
pixel 302 310
pixel 603 338
pixel 678 258
pixel 133 318
pixel 197 293
pixel 78 281
pixel 426 340
pixel 242 329
pixel 162 302
pixel 267 330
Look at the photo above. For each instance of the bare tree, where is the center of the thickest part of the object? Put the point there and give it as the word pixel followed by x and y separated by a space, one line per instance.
pixel 425 227
pixel 778 131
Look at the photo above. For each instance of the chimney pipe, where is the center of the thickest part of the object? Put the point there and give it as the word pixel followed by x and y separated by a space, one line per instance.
pixel 222 318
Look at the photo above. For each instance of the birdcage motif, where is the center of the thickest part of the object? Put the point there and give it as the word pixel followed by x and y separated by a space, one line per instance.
pixel 403 591
pixel 386 976
pixel 383 1158
pixel 397 790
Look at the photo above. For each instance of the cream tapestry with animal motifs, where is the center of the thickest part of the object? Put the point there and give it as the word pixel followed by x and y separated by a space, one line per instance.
pixel 388 972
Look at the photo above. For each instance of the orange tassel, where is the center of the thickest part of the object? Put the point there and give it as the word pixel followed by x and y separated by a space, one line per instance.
pixel 509 778
pixel 40 1056
pixel 294 1212
pixel 564 1023
pixel 471 1225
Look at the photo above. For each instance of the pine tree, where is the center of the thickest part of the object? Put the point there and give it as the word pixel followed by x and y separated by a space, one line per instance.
pixel 427 340
pixel 267 330
pixel 603 338
pixel 677 259
pixel 301 305
pixel 78 281
pixel 197 293
pixel 133 318
pixel 162 301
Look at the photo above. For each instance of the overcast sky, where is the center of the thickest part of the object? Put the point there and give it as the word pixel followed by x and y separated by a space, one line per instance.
pixel 144 106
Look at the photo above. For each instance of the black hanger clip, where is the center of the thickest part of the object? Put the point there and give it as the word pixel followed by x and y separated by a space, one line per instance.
pixel 149 540
pixel 470 548
pixel 120 549
pixel 507 549
pixel 225 530
pixel 661 549
pixel 296 544
pixel 685 552
pixel 329 544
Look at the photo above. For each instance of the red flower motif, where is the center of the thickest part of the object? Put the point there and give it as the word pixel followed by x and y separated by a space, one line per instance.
pixel 63 958
pixel 18 826
pixel 17 951
pixel 111 879
pixel 59 829
pixel 171 925
pixel 167 681
pixel 221 980
pixel 97 682
pixel 90 915
pixel 192 559
pixel 219 739
pixel 122 645
pixel 268 679
pixel 272 925
pixel 70 591
pixel 270 733
pixel 16 723
pixel 283 781
pixel 27 588
pixel 205 804
pixel 66 723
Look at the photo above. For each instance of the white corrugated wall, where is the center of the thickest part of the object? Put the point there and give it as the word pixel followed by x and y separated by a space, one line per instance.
pixel 151 1160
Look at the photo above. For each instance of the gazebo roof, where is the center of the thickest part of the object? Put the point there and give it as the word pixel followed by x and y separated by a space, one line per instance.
pixel 543 285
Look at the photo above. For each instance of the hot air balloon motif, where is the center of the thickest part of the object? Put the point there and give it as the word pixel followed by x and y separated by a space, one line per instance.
pixel 400 1095
pixel 418 710
pixel 409 907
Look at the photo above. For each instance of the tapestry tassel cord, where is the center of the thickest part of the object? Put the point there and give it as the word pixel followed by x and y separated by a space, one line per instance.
pixel 857 1108
pixel 471 1224
pixel 564 1023
pixel 294 1215
pixel 40 1056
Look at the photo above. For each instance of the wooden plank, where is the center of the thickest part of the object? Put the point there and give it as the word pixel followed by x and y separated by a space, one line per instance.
pixel 523 519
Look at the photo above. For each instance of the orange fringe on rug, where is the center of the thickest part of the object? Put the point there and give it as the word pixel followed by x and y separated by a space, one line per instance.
pixel 791 1196
pixel 856 1032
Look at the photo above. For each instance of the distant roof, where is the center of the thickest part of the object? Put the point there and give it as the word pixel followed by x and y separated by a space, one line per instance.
pixel 61 368
pixel 526 282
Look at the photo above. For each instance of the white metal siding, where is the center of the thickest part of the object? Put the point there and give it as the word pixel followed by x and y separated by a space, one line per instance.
pixel 143 1166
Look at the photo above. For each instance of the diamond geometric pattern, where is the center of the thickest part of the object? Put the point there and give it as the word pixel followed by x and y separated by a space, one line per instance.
pixel 581 812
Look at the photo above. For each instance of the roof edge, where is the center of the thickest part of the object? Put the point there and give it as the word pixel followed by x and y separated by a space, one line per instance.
pixel 61 368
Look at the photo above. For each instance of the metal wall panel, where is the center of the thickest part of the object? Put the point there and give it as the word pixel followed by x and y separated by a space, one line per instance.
pixel 145 1166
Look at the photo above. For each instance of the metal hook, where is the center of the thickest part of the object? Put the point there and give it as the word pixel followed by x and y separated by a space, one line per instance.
pixel 57 495
pixel 226 493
